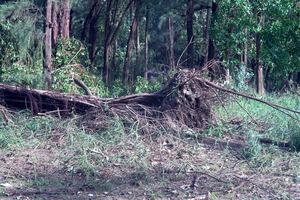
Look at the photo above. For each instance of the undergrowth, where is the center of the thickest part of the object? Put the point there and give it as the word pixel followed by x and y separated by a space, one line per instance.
pixel 86 151
pixel 81 149
pixel 244 117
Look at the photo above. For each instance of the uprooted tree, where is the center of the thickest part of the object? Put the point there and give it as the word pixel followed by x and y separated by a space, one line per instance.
pixel 186 101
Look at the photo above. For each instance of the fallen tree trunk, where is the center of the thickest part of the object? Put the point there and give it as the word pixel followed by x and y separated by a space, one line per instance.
pixel 183 101
pixel 186 101
pixel 41 101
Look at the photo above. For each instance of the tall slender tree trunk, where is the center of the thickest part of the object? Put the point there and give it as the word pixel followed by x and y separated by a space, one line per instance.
pixel 171 40
pixel 113 67
pixel 48 45
pixel 259 68
pixel 65 19
pixel 106 48
pixel 130 45
pixel 90 29
pixel 55 26
pixel 245 57
pixel 113 23
pixel 146 45
pixel 190 33
pixel 137 51
pixel 61 17
pixel 206 31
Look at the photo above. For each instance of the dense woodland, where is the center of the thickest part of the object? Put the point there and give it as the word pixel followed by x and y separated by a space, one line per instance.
pixel 150 99
pixel 118 47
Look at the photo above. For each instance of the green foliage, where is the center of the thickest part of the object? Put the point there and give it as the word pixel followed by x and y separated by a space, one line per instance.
pixel 13 69
pixel 71 61
pixel 241 76
pixel 9 49
pixel 236 25
pixel 118 89
pixel 63 81
pixel 143 85
pixel 70 52
pixel 295 136
pixel 254 148
pixel 22 75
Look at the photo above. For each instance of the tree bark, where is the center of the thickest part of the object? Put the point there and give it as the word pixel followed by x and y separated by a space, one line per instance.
pixel 55 26
pixel 259 68
pixel 65 19
pixel 130 45
pixel 171 40
pixel 190 33
pixel 90 30
pixel 206 32
pixel 48 45
pixel 106 50
pixel 137 51
pixel 146 45
pixel 112 27
pixel 246 49
pixel 61 17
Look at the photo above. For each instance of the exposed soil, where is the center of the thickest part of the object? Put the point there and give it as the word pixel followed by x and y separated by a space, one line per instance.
pixel 174 169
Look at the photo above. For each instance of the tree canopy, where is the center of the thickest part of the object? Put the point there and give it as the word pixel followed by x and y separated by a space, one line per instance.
pixel 118 44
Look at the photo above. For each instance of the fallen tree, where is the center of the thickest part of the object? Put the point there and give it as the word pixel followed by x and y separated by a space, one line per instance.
pixel 185 101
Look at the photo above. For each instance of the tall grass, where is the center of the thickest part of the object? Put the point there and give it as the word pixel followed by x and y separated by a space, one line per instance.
pixel 79 148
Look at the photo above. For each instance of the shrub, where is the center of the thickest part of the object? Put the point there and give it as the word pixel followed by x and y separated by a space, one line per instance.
pixel 143 85
pixel 9 49
pixel 295 137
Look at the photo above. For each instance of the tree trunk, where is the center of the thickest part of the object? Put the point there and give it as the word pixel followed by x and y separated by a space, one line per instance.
pixel 90 30
pixel 206 32
pixel 55 26
pixel 267 77
pixel 113 67
pixel 130 46
pixel 171 40
pixel 146 45
pixel 48 45
pixel 113 23
pixel 61 16
pixel 246 49
pixel 190 33
pixel 259 68
pixel 65 19
pixel 106 50
pixel 137 51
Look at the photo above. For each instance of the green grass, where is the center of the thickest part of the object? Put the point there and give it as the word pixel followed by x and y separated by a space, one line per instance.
pixel 255 120
pixel 83 150
pixel 87 151
pixel 261 118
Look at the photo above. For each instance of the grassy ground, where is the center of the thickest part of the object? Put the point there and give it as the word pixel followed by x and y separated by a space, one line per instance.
pixel 50 158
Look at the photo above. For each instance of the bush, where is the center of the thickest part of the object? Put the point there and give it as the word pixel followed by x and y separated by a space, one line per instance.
pixel 22 75
pixel 295 137
pixel 71 61
pixel 143 85
pixel 9 49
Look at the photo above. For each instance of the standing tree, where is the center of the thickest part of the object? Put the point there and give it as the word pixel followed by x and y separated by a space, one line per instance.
pixel 190 33
pixel 113 21
pixel 90 30
pixel 130 43
pixel 146 48
pixel 171 43
pixel 259 69
pixel 48 44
